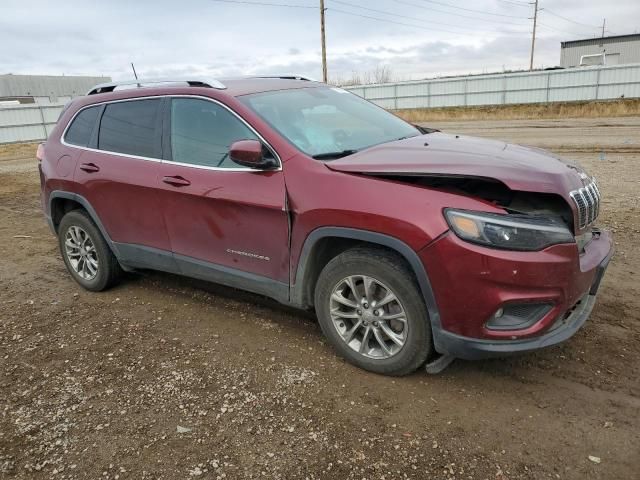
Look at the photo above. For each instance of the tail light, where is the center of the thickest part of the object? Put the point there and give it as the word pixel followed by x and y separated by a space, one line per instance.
pixel 40 152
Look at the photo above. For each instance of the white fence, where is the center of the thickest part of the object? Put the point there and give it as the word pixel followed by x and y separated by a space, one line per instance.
pixel 27 123
pixel 570 85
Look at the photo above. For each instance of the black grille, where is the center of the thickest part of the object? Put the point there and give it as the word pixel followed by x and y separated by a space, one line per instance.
pixel 587 200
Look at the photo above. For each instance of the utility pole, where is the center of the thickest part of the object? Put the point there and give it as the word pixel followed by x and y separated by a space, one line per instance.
pixel 604 23
pixel 533 38
pixel 324 45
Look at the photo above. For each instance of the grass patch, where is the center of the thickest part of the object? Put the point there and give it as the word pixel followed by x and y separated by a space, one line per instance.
pixel 613 108
pixel 18 150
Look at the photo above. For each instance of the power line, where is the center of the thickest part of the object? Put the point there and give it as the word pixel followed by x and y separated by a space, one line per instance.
pixel 569 20
pixel 461 15
pixel 519 4
pixel 354 5
pixel 266 4
pixel 421 27
pixel 564 31
pixel 470 9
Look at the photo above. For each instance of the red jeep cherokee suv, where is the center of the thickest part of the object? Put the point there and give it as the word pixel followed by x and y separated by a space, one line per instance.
pixel 409 243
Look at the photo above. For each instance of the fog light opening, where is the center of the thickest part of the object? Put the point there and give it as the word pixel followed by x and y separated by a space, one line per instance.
pixel 518 316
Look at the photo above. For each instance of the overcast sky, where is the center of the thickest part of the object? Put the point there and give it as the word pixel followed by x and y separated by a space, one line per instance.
pixel 414 38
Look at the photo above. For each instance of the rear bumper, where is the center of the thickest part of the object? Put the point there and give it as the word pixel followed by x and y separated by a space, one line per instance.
pixel 492 279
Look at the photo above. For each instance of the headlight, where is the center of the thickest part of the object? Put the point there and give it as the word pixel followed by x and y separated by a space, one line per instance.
pixel 508 232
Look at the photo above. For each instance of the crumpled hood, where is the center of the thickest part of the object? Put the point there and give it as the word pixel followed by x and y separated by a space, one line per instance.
pixel 438 154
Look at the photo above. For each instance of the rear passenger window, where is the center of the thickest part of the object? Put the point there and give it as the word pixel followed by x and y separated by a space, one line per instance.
pixel 79 132
pixel 203 131
pixel 131 128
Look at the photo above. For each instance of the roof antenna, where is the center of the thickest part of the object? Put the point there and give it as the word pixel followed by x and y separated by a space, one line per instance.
pixel 135 74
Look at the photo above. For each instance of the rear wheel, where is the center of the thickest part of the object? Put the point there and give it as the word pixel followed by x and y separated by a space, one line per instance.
pixel 371 310
pixel 86 253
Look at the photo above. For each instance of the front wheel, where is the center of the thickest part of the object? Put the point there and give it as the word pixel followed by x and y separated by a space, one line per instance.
pixel 371 310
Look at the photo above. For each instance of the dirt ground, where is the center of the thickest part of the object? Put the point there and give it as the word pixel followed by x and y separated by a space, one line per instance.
pixel 163 377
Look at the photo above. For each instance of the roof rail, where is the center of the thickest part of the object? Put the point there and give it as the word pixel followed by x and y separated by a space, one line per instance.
pixel 287 77
pixel 142 83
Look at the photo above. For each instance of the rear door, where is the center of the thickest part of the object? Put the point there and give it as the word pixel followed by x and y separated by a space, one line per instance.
pixel 118 173
pixel 220 216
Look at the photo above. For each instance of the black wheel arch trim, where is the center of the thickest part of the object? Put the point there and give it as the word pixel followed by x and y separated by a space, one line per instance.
pixel 90 210
pixel 298 288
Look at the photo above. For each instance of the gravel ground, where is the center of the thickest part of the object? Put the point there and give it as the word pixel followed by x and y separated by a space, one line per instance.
pixel 164 377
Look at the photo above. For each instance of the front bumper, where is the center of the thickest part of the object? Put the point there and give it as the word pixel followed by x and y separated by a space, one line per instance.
pixel 470 283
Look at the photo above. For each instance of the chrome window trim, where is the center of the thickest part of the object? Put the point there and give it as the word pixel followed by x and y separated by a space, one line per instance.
pixel 170 162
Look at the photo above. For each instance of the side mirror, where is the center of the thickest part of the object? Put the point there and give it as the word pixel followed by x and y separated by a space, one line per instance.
pixel 250 153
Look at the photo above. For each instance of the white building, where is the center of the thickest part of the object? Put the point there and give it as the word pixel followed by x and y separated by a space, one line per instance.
pixel 618 50
pixel 45 89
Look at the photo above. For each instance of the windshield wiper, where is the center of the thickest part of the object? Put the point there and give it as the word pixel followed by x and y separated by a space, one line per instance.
pixel 426 130
pixel 334 155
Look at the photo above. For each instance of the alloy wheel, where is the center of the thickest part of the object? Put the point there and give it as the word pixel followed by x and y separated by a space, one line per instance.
pixel 368 316
pixel 81 252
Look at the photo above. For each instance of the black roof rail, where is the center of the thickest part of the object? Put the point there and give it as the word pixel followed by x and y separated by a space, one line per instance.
pixel 142 83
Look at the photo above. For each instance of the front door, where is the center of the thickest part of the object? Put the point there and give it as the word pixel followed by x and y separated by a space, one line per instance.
pixel 223 219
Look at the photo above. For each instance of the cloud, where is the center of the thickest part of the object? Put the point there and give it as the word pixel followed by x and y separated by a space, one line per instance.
pixel 207 38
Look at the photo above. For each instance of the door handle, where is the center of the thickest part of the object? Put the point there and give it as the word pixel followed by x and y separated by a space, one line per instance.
pixel 176 181
pixel 89 167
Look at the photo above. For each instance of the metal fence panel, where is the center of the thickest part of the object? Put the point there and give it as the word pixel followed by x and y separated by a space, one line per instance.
pixel 449 87
pixel 388 103
pixel 488 98
pixel 608 92
pixel 27 133
pixel 480 85
pixel 447 100
pixel 413 102
pixel 412 89
pixel 51 113
pixel 572 94
pixel 34 122
pixel 573 78
pixel 27 123
pixel 577 84
pixel 525 82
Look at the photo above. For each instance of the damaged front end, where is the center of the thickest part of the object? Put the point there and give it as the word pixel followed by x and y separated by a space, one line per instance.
pixel 532 220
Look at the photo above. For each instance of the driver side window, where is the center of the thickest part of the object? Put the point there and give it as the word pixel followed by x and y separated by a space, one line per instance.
pixel 202 132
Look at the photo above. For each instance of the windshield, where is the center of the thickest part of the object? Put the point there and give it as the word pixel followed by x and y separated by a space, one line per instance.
pixel 327 122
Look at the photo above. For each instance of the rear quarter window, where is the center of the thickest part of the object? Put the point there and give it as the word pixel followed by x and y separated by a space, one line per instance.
pixel 81 128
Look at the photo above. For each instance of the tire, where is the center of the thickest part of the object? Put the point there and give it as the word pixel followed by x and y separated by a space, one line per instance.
pixel 99 269
pixel 384 272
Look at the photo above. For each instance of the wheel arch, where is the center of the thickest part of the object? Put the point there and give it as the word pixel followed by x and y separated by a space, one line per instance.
pixel 61 202
pixel 326 242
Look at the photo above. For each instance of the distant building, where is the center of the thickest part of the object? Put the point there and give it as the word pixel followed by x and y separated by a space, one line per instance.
pixel 617 50
pixel 45 89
